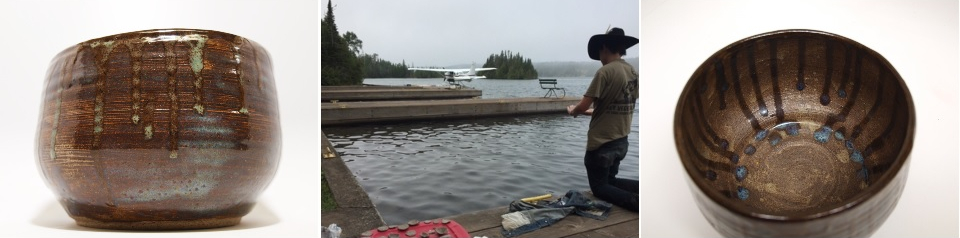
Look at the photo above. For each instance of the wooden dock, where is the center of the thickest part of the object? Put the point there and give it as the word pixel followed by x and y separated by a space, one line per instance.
pixel 388 93
pixel 355 212
pixel 341 113
pixel 620 223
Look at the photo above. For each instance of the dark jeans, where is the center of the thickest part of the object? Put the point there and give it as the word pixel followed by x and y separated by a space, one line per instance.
pixel 603 164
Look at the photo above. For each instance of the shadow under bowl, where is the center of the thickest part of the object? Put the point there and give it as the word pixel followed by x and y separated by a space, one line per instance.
pixel 795 133
pixel 159 129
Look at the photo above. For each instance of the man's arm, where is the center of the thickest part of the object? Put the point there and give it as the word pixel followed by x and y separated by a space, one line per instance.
pixel 582 108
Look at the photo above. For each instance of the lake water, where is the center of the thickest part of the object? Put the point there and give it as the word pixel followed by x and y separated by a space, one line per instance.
pixel 432 169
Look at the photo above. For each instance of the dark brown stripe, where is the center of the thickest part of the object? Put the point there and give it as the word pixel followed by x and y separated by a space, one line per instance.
pixel 722 85
pixel 775 76
pixel 698 108
pixel 739 94
pixel 701 82
pixel 719 166
pixel 751 55
pixel 877 143
pixel 702 124
pixel 846 73
pixel 858 70
pixel 828 76
pixel 858 129
pixel 172 92
pixel 801 61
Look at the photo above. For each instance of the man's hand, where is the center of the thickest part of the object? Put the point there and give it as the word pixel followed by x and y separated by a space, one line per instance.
pixel 570 110
pixel 583 107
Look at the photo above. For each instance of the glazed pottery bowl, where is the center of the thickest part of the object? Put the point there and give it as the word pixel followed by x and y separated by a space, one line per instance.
pixel 795 133
pixel 159 129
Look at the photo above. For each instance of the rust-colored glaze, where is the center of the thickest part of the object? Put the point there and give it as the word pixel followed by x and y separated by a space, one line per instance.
pixel 159 129
pixel 795 133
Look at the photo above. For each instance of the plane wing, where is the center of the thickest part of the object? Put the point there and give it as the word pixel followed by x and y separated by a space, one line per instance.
pixel 451 70
pixel 439 70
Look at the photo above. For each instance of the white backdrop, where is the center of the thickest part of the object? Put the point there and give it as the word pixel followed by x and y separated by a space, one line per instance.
pixel 33 32
pixel 920 39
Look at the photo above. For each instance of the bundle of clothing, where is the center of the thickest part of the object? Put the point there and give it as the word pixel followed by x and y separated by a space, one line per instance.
pixel 526 216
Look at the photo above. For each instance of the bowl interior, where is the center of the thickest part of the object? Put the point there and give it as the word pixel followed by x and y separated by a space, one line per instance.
pixel 793 123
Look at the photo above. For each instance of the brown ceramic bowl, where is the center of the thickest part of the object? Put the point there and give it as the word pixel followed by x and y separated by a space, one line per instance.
pixel 159 129
pixel 795 133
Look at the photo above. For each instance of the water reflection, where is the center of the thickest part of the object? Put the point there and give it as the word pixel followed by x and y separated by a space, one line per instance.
pixel 431 169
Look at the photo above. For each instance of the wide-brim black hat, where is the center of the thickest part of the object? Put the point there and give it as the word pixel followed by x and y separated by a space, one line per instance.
pixel 615 35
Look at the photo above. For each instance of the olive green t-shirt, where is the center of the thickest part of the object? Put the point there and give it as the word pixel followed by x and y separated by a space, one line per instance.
pixel 614 89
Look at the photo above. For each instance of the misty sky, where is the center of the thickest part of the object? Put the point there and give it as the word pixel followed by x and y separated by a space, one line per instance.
pixel 451 32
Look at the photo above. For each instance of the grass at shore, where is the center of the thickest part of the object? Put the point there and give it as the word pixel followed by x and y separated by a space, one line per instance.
pixel 326 197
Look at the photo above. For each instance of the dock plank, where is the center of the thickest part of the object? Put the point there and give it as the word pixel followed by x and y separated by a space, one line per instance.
pixel 408 103
pixel 355 213
pixel 395 93
pixel 342 113
pixel 569 226
pixel 618 224
pixel 480 220
pixel 625 229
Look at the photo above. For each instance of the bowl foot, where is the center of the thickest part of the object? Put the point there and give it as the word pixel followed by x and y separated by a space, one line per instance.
pixel 159 225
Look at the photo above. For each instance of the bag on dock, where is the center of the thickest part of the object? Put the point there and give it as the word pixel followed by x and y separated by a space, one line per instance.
pixel 526 217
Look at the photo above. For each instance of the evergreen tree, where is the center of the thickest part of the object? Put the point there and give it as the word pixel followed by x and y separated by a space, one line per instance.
pixel 509 66
pixel 375 67
pixel 354 42
pixel 339 66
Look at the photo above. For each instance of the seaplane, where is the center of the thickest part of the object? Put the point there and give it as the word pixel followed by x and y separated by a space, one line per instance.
pixel 456 77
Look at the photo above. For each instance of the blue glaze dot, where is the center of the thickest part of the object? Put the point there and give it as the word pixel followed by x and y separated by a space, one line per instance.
pixel 724 144
pixel 842 93
pixel 712 176
pixel 849 144
pixel 800 86
pixel 793 129
pixel 856 156
pixel 863 173
pixel 742 193
pixel 822 134
pixel 824 99
pixel 740 172
pixel 750 150
pixel 763 111
pixel 735 159
pixel 838 135
pixel 760 135
pixel 775 139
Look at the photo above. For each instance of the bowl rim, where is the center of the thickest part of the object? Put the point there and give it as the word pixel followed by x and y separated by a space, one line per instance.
pixel 158 31
pixel 154 32
pixel 848 204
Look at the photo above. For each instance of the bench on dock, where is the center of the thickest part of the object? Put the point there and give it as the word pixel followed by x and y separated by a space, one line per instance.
pixel 551 86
